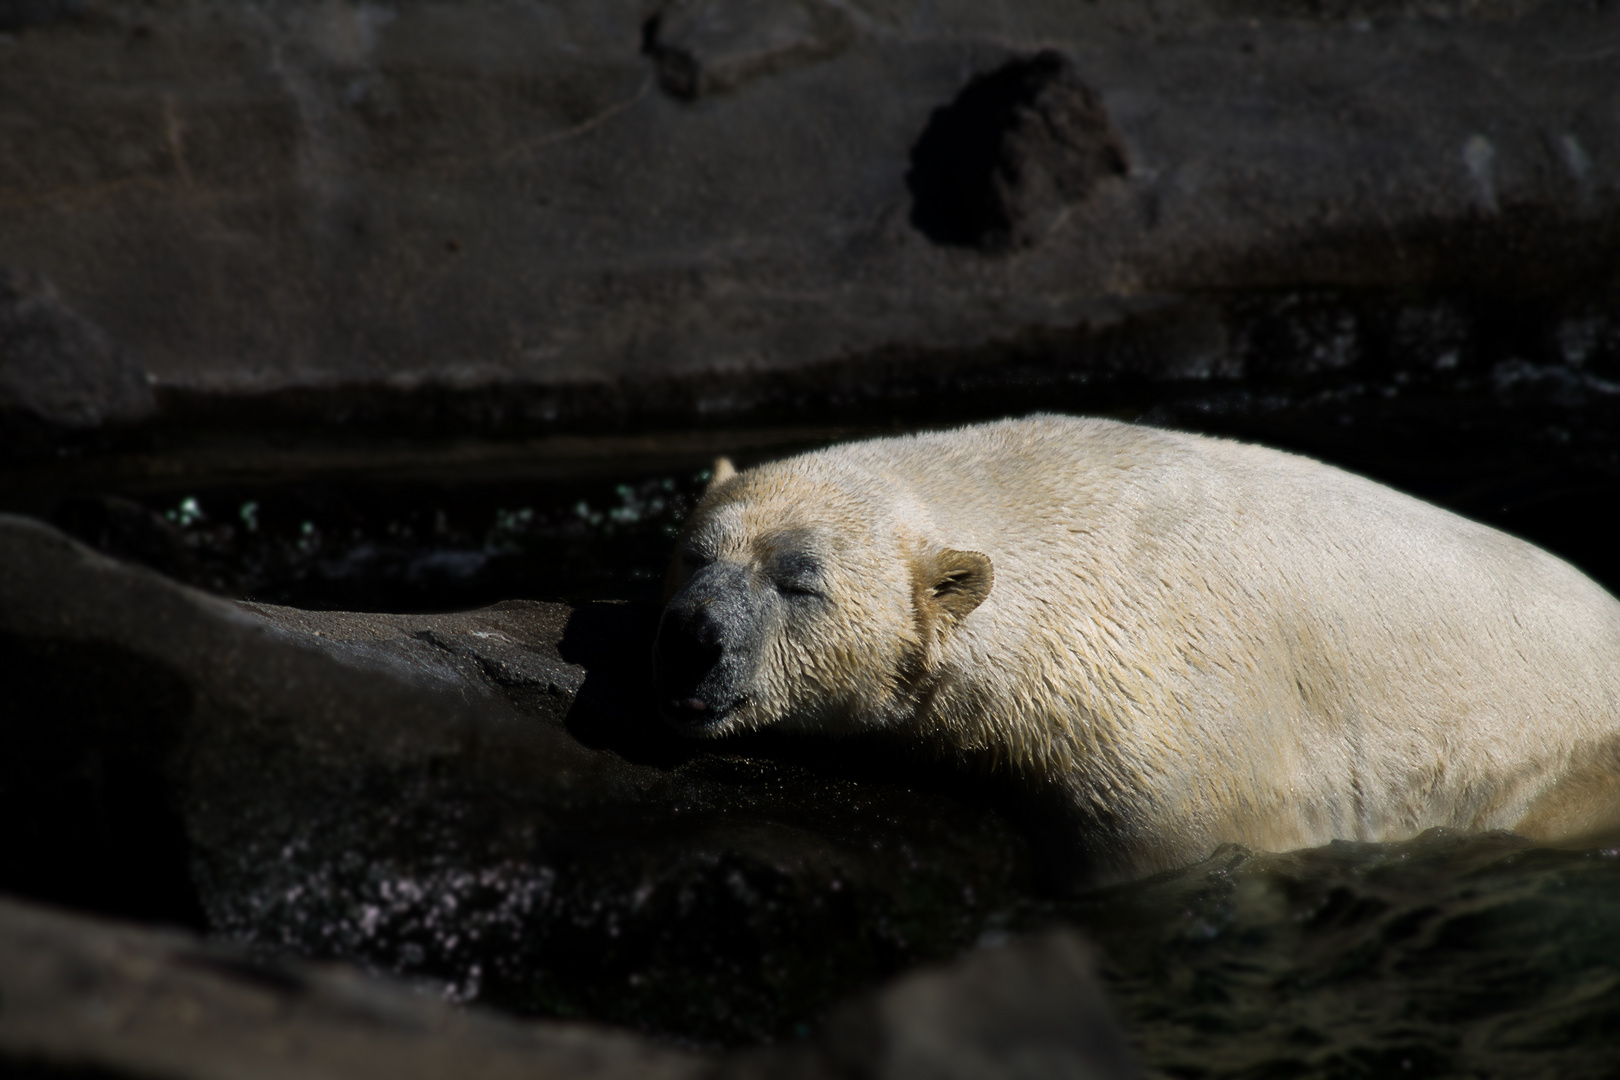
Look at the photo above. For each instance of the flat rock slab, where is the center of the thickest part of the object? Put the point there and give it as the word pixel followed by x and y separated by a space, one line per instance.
pixel 114 1000
pixel 578 196
pixel 478 801
pixel 89 997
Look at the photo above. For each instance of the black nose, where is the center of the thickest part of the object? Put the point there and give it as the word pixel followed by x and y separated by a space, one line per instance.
pixel 687 710
pixel 688 648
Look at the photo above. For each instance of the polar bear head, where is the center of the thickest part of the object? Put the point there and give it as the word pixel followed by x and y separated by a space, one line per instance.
pixel 807 594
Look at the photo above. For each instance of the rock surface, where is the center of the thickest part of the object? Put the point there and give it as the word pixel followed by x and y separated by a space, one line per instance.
pixel 476 801
pixel 553 212
pixel 58 369
pixel 95 998
pixel 1027 1010
pixel 1018 148
pixel 89 998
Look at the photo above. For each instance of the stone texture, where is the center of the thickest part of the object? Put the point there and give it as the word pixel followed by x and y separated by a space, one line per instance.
pixel 95 998
pixel 1000 166
pixel 58 369
pixel 1031 1009
pixel 86 998
pixel 481 802
pixel 551 202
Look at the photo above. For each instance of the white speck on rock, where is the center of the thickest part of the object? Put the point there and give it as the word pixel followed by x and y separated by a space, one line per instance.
pixel 1575 158
pixel 1480 158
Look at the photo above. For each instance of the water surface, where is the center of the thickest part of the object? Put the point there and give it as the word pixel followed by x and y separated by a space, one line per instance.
pixel 1446 955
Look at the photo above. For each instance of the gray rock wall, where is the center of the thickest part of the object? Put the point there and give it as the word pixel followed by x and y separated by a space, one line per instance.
pixel 254 196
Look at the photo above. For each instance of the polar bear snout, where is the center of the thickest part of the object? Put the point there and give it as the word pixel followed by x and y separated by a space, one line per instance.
pixel 687 650
pixel 702 656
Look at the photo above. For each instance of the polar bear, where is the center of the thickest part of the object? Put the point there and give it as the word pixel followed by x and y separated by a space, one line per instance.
pixel 1193 641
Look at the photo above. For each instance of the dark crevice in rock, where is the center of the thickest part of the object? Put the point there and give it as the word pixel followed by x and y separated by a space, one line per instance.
pixel 677 70
pixel 88 804
pixel 615 708
pixel 997 166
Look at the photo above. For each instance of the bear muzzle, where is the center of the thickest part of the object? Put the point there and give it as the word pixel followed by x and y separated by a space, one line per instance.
pixel 698 678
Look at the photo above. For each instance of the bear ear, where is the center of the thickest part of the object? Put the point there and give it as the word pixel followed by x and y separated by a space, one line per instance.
pixel 953 583
pixel 721 471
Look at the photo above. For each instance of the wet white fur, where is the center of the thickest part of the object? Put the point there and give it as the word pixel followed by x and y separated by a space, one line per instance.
pixel 1198 641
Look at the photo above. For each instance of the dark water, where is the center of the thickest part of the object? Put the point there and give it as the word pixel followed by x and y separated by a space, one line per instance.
pixel 401 545
pixel 428 542
pixel 1442 956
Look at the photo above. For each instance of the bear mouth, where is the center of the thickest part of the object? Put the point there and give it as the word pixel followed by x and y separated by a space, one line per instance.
pixel 694 716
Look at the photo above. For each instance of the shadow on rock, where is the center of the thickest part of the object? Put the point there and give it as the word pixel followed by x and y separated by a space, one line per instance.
pixel 999 165
pixel 90 821
pixel 615 708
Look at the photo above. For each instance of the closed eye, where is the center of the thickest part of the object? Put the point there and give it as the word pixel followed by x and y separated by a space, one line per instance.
pixel 798 573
